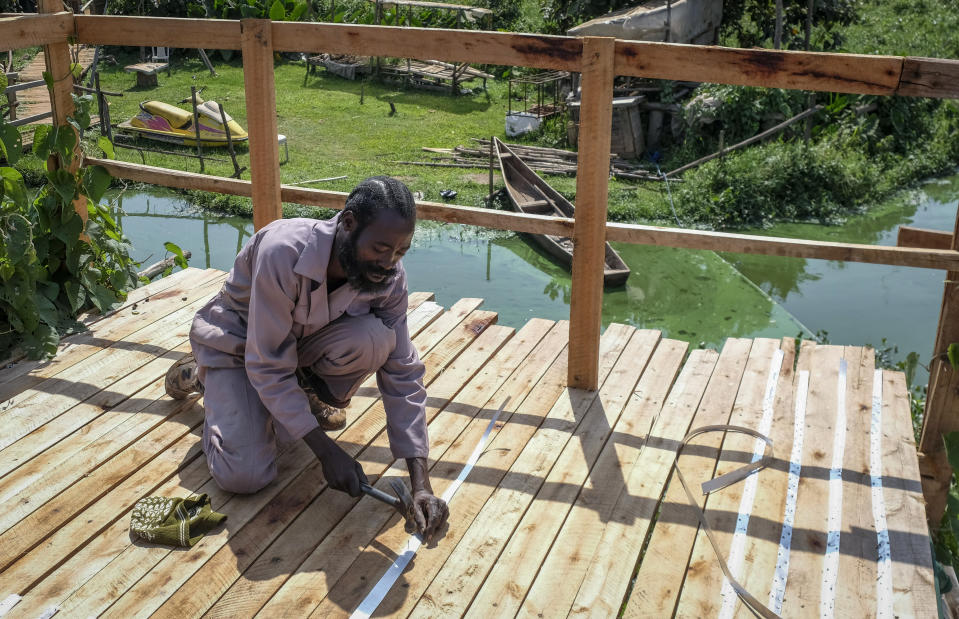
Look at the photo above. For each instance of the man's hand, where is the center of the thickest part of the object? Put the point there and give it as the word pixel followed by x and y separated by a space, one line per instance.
pixel 429 511
pixel 340 470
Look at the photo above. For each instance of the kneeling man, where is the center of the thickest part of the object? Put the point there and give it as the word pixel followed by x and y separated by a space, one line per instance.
pixel 309 310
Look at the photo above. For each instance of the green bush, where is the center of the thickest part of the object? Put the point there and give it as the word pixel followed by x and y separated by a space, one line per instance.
pixel 777 181
pixel 52 267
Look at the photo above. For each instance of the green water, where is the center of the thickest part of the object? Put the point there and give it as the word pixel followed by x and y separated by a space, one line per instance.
pixel 696 296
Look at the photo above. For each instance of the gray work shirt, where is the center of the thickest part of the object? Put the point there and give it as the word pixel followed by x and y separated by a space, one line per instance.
pixel 277 293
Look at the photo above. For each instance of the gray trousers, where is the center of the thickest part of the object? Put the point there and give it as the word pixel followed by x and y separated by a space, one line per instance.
pixel 239 436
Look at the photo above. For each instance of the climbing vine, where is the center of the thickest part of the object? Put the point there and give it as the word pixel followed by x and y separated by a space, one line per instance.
pixel 53 265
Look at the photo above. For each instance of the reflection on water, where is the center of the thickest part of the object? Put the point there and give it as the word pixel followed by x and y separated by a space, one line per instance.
pixel 863 303
pixel 691 295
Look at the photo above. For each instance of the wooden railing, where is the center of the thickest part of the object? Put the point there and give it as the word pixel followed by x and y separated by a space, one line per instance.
pixel 598 60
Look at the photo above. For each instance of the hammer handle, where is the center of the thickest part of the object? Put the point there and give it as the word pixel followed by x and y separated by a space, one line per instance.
pixel 379 495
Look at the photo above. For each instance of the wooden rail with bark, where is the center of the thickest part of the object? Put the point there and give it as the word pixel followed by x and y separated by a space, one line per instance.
pixel 599 61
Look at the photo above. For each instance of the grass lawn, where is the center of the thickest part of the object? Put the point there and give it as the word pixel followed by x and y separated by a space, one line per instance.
pixel 330 133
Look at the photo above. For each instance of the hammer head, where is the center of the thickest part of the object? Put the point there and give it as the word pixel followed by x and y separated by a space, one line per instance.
pixel 406 501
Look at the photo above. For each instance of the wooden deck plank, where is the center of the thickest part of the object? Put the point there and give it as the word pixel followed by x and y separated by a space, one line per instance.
pixel 515 570
pixel 104 590
pixel 577 540
pixel 206 586
pixel 57 588
pixel 761 547
pixel 102 333
pixel 50 518
pixel 608 576
pixel 857 548
pixel 56 395
pixel 73 533
pixel 18 366
pixel 662 569
pixel 254 588
pixel 704 579
pixel 161 582
pixel 56 468
pixel 517 424
pixel 306 587
pixel 913 582
pixel 463 573
pixel 809 529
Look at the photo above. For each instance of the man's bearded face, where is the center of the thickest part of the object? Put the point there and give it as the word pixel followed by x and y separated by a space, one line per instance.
pixel 364 275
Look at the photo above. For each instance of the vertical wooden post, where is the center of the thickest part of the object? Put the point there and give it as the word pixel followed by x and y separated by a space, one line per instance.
pixel 59 65
pixel 589 232
pixel 942 401
pixel 256 41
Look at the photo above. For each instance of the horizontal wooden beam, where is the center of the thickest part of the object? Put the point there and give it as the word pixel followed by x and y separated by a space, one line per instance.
pixel 776 246
pixel 533 224
pixel 929 77
pixel 161 31
pixel 499 220
pixel 501 48
pixel 922 237
pixel 29 29
pixel 852 73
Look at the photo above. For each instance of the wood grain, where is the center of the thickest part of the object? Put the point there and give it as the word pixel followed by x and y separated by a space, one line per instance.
pixel 592 190
pixel 28 30
pixel 256 36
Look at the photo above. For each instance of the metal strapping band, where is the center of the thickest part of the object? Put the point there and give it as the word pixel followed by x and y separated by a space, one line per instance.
pixel 386 582
pixel 718 483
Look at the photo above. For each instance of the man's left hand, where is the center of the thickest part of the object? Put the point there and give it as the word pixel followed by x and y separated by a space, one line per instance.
pixel 429 513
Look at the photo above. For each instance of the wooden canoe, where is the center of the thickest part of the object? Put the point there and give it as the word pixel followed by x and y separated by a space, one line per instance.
pixel 528 193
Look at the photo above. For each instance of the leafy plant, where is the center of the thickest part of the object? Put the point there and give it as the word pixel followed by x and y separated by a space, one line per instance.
pixel 53 266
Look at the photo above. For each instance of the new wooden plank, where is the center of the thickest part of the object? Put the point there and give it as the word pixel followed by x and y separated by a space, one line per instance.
pixel 592 192
pixel 29 30
pixel 515 569
pixel 761 547
pixel 502 48
pixel 45 521
pixel 515 428
pixel 577 541
pixel 269 572
pixel 13 376
pixel 57 586
pixel 68 522
pixel 663 566
pixel 773 246
pixel 912 577
pixel 852 73
pixel 809 528
pixel 535 224
pixel 591 417
pixel 320 570
pixel 857 545
pixel 907 236
pixel 256 38
pixel 45 475
pixel 607 578
pixel 56 395
pixel 929 77
pixel 126 569
pixel 204 587
pixel 704 579
pixel 345 542
pixel 162 581
pixel 170 32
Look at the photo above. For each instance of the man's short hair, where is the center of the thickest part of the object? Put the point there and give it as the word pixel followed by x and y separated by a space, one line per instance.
pixel 379 193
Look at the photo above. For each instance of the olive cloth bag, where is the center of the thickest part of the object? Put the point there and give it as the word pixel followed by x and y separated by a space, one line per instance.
pixel 173 521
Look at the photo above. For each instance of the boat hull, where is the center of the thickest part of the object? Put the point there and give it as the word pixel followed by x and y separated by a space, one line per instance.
pixel 530 194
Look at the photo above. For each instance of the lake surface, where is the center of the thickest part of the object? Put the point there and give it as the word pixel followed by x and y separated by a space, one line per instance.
pixel 697 296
